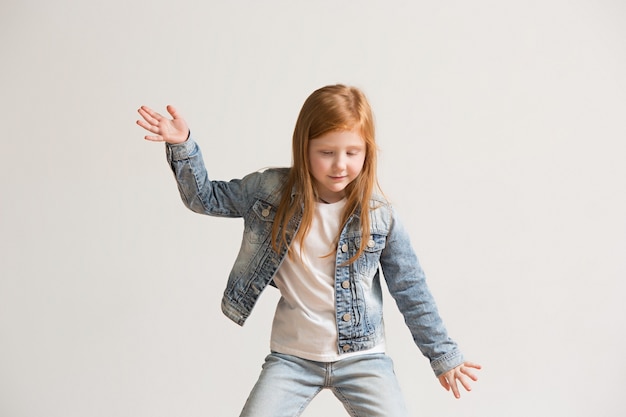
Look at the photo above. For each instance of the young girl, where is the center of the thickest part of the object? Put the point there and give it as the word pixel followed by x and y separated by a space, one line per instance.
pixel 320 233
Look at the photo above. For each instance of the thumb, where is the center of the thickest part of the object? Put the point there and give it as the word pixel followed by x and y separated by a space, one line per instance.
pixel 444 382
pixel 173 112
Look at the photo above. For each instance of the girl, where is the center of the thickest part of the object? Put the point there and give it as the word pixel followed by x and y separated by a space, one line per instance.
pixel 321 234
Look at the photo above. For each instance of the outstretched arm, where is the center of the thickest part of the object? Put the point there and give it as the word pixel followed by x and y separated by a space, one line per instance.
pixel 461 373
pixel 162 129
pixel 198 192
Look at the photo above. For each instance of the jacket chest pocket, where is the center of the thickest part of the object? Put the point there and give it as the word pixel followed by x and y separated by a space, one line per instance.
pixel 369 259
pixel 259 222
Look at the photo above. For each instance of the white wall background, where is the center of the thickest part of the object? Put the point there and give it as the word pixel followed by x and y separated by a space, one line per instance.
pixel 501 126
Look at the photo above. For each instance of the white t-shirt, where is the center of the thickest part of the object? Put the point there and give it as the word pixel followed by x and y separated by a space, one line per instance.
pixel 304 323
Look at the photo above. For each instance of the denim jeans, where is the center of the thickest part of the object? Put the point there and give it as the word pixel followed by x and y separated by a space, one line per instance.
pixel 365 384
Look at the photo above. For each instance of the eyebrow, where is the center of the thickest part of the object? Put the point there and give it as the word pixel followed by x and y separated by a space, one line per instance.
pixel 330 144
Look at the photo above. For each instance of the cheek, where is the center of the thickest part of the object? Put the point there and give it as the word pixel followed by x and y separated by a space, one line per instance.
pixel 357 166
pixel 316 165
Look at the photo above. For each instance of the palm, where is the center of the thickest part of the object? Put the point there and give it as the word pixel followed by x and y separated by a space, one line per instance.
pixel 171 129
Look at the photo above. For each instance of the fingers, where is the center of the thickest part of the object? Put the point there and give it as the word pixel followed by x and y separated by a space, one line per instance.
pixel 173 112
pixel 462 374
pixel 152 129
pixel 150 122
pixel 454 386
pixel 145 125
pixel 465 383
pixel 149 118
pixel 152 138
pixel 448 381
pixel 149 115
pixel 469 373
pixel 467 367
pixel 472 365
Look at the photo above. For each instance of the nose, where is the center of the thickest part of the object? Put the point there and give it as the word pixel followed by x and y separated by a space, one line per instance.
pixel 339 162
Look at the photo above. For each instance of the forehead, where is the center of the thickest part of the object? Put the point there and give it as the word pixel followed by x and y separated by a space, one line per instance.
pixel 339 138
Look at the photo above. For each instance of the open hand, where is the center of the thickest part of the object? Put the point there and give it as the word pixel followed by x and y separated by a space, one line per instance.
pixel 463 373
pixel 162 129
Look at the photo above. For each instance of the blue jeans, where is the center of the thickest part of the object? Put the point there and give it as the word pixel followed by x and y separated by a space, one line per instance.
pixel 365 384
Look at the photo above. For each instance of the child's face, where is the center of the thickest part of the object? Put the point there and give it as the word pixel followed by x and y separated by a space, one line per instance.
pixel 336 159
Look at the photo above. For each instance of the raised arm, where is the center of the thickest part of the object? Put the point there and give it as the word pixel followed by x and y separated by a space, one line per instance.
pixel 198 192
pixel 162 129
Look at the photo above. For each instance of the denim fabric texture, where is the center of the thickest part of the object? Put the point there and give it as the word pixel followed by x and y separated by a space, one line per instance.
pixel 255 198
pixel 366 385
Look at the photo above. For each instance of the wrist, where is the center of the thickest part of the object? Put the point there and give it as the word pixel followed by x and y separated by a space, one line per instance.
pixel 179 141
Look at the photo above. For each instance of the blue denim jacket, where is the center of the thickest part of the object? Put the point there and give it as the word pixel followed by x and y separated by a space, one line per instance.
pixel 357 286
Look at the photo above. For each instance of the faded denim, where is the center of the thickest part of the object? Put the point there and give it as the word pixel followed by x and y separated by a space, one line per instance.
pixel 365 384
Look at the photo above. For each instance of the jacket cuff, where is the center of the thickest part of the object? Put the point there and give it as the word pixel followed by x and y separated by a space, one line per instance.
pixel 449 361
pixel 181 151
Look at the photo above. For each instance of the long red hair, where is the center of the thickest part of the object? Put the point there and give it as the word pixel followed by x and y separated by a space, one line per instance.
pixel 330 108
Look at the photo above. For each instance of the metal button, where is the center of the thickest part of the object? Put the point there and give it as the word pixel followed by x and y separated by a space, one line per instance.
pixel 346 317
pixel 265 212
pixel 346 348
pixel 345 284
pixel 344 248
pixel 371 243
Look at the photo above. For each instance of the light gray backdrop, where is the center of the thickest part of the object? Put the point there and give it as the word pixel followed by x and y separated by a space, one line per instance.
pixel 501 127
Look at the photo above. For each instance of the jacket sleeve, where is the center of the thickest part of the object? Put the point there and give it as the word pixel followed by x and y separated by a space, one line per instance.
pixel 198 192
pixel 407 285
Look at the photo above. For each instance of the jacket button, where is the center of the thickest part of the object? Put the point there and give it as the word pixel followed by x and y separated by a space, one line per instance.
pixel 346 348
pixel 265 212
pixel 371 243
pixel 344 248
pixel 346 317
pixel 345 284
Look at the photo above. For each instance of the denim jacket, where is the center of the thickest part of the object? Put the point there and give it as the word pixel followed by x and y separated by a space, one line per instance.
pixel 357 286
